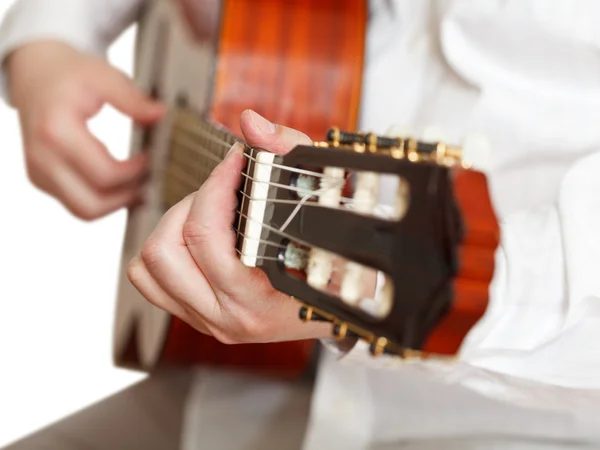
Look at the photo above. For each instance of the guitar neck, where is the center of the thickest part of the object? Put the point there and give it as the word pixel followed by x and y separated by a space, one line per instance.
pixel 196 147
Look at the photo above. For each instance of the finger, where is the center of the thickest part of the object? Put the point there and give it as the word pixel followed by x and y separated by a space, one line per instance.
pixel 90 157
pixel 121 92
pixel 208 231
pixel 141 279
pixel 259 132
pixel 168 260
pixel 80 197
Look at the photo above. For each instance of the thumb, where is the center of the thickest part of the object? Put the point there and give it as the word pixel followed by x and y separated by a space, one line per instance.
pixel 259 132
pixel 120 91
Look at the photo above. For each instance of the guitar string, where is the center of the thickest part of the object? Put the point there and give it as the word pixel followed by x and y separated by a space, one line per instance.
pixel 200 149
pixel 299 203
pixel 190 142
pixel 262 241
pixel 305 198
pixel 311 193
pixel 334 270
pixel 292 202
pixel 276 244
pixel 268 227
pixel 264 258
pixel 201 132
pixel 347 200
pixel 280 231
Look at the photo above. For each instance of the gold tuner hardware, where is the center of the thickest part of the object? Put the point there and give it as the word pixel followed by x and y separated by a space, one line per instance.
pixel 371 142
pixel 412 152
pixel 377 347
pixel 333 136
pixel 453 152
pixel 441 151
pixel 397 152
pixel 340 330
pixel 307 314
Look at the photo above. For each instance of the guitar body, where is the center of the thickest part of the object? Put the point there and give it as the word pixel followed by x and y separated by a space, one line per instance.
pixel 297 62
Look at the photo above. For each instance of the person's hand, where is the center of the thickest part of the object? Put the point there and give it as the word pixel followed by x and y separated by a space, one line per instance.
pixel 56 89
pixel 189 266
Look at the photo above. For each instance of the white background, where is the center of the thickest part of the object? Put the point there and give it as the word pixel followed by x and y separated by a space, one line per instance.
pixel 58 279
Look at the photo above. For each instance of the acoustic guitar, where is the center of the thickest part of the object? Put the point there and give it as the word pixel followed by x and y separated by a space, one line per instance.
pixel 298 62
pixel 411 276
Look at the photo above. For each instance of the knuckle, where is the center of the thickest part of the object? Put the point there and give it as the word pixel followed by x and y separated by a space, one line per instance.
pixel 102 179
pixel 195 233
pixel 134 272
pixel 87 214
pixel 87 211
pixel 153 254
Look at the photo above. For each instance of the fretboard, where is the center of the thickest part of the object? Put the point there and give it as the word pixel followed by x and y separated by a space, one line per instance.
pixel 196 147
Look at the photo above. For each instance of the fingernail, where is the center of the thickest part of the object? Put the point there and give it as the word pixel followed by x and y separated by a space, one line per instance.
pixel 261 123
pixel 235 148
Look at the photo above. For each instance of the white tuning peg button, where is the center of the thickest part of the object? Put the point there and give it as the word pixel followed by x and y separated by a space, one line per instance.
pixel 434 134
pixel 401 131
pixel 477 151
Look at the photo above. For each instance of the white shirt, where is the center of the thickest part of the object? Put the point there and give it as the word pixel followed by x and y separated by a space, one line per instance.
pixel 528 75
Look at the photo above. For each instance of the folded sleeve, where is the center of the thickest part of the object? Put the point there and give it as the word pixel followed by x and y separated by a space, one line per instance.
pixel 88 25
pixel 543 320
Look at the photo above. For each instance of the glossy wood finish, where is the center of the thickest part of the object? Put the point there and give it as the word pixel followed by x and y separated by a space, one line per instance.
pixel 186 346
pixel 476 263
pixel 299 63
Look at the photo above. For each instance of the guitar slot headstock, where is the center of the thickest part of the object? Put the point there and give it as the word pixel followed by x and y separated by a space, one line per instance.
pixel 415 252
pixel 327 240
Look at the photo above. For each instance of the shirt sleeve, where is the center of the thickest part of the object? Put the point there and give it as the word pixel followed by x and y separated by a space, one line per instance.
pixel 543 319
pixel 88 25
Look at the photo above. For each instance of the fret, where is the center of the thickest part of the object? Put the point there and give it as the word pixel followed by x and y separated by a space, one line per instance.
pixel 196 147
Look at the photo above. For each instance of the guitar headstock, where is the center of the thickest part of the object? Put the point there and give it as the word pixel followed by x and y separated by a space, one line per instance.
pixel 409 277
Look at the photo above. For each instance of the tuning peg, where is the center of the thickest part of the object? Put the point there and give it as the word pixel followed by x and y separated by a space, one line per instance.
pixel 341 331
pixel 378 346
pixel 307 314
pixel 433 134
pixel 477 151
pixel 402 131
